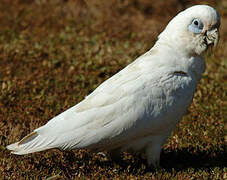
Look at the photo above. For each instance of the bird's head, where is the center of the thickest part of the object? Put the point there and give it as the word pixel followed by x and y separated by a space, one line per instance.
pixel 193 30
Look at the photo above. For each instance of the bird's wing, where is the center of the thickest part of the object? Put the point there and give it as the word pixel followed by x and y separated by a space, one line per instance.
pixel 105 113
pixel 88 122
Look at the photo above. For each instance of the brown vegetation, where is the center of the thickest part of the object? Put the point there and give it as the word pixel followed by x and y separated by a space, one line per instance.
pixel 53 53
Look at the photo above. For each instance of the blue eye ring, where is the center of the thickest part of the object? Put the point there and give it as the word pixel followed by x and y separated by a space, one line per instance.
pixel 196 26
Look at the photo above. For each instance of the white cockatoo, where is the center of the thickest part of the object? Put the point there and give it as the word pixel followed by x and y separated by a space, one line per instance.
pixel 136 109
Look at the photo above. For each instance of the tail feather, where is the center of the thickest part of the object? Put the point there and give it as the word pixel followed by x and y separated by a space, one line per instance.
pixel 33 142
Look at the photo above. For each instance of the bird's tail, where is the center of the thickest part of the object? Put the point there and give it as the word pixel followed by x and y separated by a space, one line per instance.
pixel 33 142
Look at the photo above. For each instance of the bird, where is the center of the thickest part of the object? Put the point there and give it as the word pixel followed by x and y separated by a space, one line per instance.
pixel 136 109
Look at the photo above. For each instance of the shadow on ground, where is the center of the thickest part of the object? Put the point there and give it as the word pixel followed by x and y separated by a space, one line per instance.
pixel 173 160
pixel 182 159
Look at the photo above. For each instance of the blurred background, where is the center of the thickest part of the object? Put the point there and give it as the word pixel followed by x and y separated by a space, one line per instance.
pixel 55 52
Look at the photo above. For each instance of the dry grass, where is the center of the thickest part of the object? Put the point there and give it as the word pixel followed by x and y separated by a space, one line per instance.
pixel 53 53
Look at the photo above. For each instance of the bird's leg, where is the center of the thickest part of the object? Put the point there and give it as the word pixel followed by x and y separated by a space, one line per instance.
pixel 153 151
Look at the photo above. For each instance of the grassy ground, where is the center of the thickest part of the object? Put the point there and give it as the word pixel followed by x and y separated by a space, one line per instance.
pixel 53 53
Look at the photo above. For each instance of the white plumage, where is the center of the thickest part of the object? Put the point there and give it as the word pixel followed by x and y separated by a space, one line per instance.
pixel 137 108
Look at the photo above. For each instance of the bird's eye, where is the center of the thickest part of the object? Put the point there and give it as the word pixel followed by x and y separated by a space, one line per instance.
pixel 196 26
pixel 196 22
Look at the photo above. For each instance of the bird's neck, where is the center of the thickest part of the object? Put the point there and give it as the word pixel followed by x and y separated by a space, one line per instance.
pixel 192 63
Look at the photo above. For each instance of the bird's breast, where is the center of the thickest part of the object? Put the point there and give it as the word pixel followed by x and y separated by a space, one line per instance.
pixel 168 100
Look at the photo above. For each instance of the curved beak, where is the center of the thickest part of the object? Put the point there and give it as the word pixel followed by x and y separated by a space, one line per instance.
pixel 212 37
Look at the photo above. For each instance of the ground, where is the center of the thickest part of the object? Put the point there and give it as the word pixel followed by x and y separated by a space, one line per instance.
pixel 53 53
